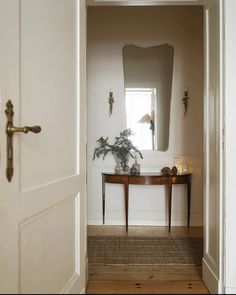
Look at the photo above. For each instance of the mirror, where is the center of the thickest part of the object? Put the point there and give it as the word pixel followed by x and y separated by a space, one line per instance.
pixel 148 86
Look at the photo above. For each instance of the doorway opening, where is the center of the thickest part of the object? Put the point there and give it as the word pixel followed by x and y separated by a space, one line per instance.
pixel 109 30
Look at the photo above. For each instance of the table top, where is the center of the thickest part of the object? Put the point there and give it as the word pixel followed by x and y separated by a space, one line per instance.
pixel 147 174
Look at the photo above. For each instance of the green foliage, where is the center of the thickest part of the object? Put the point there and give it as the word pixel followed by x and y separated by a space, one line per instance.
pixel 122 147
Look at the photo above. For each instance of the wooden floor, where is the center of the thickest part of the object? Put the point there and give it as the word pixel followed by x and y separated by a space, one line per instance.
pixel 165 279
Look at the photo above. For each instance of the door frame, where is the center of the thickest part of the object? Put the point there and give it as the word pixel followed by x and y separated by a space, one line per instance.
pixel 213 270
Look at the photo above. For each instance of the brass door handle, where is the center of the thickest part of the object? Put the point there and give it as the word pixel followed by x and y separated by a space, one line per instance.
pixel 10 130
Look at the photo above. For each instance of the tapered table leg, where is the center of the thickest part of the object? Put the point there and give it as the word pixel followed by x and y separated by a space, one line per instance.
pixel 103 198
pixel 189 201
pixel 170 203
pixel 126 186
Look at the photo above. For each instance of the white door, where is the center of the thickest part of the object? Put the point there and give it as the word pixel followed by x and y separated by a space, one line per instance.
pixel 42 209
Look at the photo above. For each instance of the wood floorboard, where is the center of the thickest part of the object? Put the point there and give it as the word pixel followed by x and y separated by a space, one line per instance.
pixel 131 279
pixel 142 273
pixel 144 231
pixel 144 287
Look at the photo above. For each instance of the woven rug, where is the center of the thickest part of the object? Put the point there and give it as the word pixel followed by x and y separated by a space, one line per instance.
pixel 144 250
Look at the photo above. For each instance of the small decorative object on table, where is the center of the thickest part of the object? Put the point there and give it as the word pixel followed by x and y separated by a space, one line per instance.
pixel 166 171
pixel 178 164
pixel 122 149
pixel 185 168
pixel 135 169
pixel 174 170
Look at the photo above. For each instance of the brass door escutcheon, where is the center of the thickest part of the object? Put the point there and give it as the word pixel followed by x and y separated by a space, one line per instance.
pixel 10 130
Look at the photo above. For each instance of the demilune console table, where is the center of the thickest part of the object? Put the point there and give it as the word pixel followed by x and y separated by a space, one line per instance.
pixel 147 179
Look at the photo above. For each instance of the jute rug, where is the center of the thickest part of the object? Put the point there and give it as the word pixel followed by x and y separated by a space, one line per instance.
pixel 144 250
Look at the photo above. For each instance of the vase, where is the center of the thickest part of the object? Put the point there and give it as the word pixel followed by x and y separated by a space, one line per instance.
pixel 122 166
pixel 125 167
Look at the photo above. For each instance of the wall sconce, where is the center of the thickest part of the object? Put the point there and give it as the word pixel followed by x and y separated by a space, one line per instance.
pixel 111 100
pixel 185 101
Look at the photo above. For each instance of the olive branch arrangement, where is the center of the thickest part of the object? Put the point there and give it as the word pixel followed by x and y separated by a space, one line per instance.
pixel 122 147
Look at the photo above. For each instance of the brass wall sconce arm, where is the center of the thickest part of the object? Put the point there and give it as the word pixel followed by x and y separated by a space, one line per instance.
pixel 186 101
pixel 111 102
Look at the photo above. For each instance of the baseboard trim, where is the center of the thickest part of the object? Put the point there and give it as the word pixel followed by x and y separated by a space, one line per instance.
pixel 83 291
pixel 230 290
pixel 162 223
pixel 209 278
pixel 70 284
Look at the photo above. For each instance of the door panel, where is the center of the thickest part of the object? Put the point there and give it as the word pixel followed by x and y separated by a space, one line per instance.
pixel 42 211
pixel 57 249
pixel 48 82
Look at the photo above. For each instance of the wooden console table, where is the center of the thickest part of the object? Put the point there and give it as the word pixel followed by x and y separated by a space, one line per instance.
pixel 147 179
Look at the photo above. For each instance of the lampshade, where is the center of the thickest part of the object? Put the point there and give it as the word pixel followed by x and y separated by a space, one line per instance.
pixel 145 119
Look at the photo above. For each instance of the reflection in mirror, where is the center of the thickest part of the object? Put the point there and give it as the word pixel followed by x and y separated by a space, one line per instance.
pixel 148 85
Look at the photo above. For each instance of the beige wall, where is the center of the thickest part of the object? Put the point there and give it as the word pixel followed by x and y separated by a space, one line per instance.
pixel 109 29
